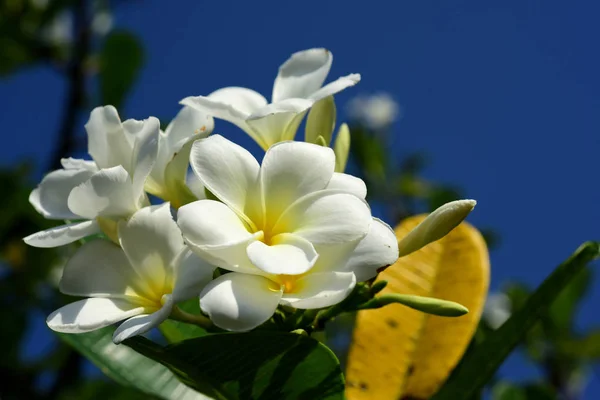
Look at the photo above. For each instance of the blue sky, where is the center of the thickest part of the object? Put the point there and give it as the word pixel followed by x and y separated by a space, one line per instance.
pixel 502 96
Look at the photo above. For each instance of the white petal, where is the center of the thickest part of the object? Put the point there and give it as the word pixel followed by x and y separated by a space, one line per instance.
pixel 229 171
pixel 108 193
pixel 108 144
pixel 348 184
pixel 155 182
pixel 151 240
pixel 77 163
pixel 142 323
pixel 62 235
pixel 287 254
pixel 278 121
pixel 320 290
pixel 377 250
pixel 333 257
pixel 326 217
pixel 291 170
pixel 233 104
pixel 240 302
pixel 302 74
pixel 192 274
pixel 212 223
pixel 242 99
pixel 334 87
pixel 50 197
pixel 144 150
pixel 216 233
pixel 188 123
pixel 91 314
pixel 195 186
pixel 100 268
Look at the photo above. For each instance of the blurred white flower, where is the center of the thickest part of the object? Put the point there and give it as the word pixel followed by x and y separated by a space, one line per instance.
pixel 497 309
pixel 292 231
pixel 297 87
pixel 59 31
pixel 139 282
pixel 102 22
pixel 377 111
pixel 103 191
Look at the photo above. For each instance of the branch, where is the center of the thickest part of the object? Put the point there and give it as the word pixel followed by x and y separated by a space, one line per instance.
pixel 76 81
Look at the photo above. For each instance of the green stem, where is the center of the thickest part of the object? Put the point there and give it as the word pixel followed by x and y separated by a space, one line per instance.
pixel 200 320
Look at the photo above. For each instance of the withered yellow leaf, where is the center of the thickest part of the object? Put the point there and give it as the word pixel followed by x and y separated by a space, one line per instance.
pixel 398 352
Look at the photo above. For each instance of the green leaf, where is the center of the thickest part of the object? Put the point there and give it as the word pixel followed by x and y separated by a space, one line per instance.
pixel 320 121
pixel 479 366
pixel 175 331
pixel 586 347
pixel 127 367
pixel 120 62
pixel 562 310
pixel 507 391
pixel 257 365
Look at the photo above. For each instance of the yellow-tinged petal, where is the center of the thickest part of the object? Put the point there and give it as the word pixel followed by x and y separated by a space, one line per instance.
pixel 398 352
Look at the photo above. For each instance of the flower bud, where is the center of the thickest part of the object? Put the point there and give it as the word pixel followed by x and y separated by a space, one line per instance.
pixel 437 225
pixel 427 305
pixel 321 121
pixel 341 148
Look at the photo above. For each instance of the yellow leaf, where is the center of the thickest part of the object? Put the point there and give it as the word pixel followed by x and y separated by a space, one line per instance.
pixel 398 352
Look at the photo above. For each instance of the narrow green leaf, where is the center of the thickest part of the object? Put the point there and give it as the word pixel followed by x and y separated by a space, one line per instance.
pixel 479 366
pixel 128 367
pixel 258 365
pixel 320 121
pixel 562 311
pixel 121 59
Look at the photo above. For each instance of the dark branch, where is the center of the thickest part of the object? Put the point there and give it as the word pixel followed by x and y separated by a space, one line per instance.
pixel 76 81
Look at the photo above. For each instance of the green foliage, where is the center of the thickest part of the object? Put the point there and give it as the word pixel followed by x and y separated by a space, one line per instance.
pixel 175 331
pixel 126 366
pixel 121 59
pixel 258 365
pixel 479 365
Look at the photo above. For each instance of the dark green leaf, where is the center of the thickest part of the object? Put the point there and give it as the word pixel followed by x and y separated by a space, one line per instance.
pixel 127 367
pixel 482 363
pixel 540 391
pixel 586 347
pixel 507 391
pixel 257 365
pixel 120 61
pixel 562 310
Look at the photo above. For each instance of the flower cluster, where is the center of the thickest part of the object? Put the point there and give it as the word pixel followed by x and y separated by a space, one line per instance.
pixel 246 238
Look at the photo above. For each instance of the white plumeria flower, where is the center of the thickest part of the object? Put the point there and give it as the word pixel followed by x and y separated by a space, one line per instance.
pixel 292 231
pixel 497 309
pixel 377 111
pixel 297 87
pixel 139 282
pixel 103 191
pixel 167 179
